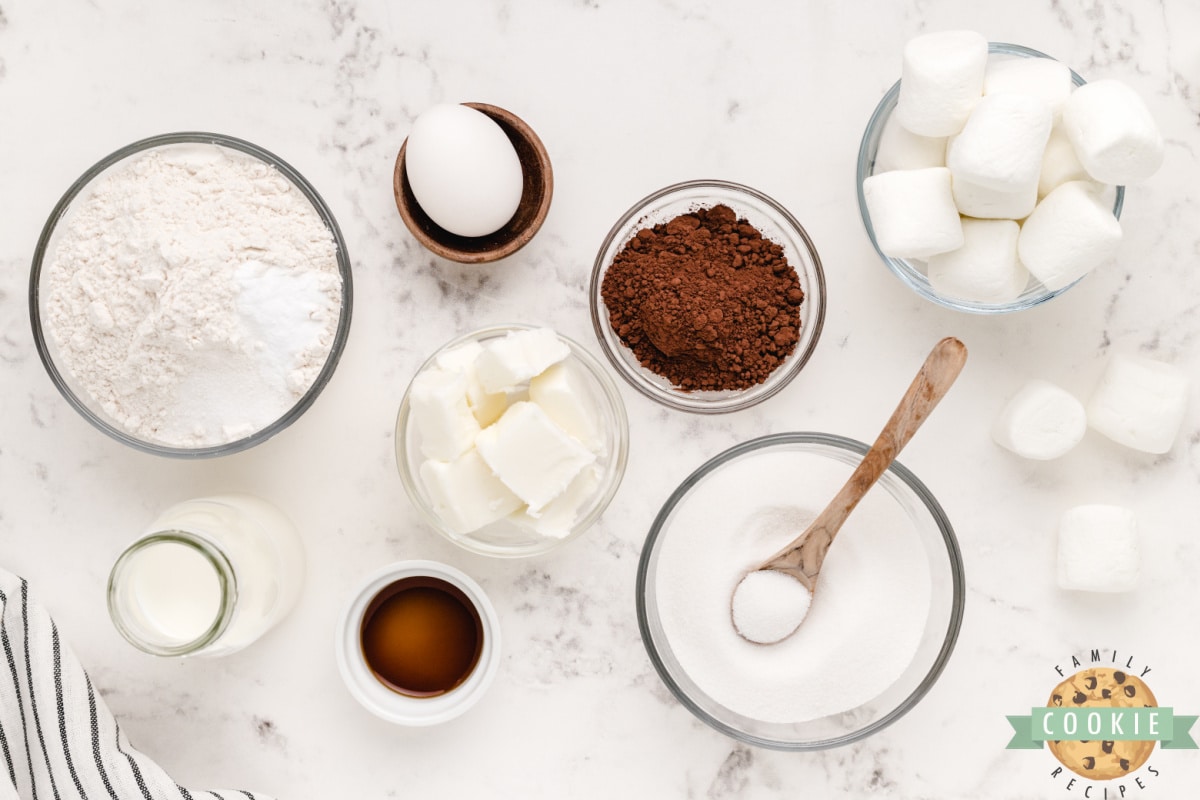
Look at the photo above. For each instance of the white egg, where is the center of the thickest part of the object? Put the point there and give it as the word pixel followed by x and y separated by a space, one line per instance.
pixel 464 172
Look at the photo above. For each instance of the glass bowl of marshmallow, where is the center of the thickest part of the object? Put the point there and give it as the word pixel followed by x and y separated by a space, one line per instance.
pixel 991 176
pixel 511 440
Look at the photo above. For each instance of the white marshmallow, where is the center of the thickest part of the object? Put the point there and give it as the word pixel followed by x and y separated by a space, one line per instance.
pixel 1139 403
pixel 531 455
pixel 1105 194
pixel 941 81
pixel 1041 421
pixel 1059 164
pixel 1043 78
pixel 517 357
pixel 559 516
pixel 465 494
pixel 1098 549
pixel 440 414
pixel 1113 133
pixel 981 202
pixel 562 393
pixel 1002 143
pixel 900 148
pixel 1067 235
pixel 985 269
pixel 913 213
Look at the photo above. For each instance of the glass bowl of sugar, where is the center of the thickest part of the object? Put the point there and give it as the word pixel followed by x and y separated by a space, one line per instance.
pixel 884 617
pixel 914 272
pixel 511 440
pixel 190 295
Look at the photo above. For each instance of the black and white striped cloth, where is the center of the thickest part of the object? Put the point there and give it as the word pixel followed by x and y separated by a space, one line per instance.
pixel 58 740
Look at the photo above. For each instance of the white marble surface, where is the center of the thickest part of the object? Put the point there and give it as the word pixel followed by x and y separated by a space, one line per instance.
pixel 628 96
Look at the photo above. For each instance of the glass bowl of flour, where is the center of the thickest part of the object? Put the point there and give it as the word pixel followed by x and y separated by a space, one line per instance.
pixel 190 295
pixel 884 617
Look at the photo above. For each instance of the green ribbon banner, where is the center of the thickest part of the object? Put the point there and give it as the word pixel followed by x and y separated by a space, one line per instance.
pixel 1104 724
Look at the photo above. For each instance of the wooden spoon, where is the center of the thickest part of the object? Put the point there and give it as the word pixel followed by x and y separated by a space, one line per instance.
pixel 802 558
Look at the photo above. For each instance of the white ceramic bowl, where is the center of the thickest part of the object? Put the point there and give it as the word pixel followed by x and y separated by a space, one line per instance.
pixel 391 705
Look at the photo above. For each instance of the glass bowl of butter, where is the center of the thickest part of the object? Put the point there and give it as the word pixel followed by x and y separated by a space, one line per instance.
pixel 511 440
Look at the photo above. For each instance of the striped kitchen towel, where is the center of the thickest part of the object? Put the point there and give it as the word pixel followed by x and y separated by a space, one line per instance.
pixel 58 741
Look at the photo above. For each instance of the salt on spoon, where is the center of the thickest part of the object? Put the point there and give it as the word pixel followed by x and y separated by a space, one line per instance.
pixel 771 601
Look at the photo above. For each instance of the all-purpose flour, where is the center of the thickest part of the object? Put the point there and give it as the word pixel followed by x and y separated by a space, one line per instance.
pixel 193 293
pixel 868 611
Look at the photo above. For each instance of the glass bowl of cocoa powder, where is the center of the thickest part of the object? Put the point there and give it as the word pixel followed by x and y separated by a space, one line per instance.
pixel 708 296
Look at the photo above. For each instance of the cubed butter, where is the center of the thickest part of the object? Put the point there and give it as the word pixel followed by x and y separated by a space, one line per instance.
pixel 488 406
pixel 465 493
pixel 560 391
pixel 1098 549
pixel 517 357
pixel 441 415
pixel 531 455
pixel 559 516
pixel 460 358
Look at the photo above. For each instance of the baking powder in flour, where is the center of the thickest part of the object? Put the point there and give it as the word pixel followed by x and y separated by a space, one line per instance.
pixel 193 293
pixel 868 612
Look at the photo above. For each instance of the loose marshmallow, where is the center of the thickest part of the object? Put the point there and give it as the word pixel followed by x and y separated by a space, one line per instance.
pixel 985 269
pixel 1041 421
pixel 517 357
pixel 900 148
pixel 1098 549
pixel 981 202
pixel 1043 78
pixel 1067 235
pixel 440 413
pixel 531 455
pixel 913 213
pixel 1113 133
pixel 1139 403
pixel 562 393
pixel 559 516
pixel 1002 143
pixel 465 493
pixel 1059 164
pixel 941 81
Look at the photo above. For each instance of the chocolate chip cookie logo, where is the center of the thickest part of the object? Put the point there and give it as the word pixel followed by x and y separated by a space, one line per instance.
pixel 1102 724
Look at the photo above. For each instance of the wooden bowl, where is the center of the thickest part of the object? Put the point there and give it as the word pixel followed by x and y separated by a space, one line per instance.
pixel 536 193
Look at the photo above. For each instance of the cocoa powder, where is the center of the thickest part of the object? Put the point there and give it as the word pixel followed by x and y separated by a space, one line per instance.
pixel 705 301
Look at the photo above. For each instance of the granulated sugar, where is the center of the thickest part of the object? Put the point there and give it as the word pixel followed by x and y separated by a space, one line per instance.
pixel 193 294
pixel 768 606
pixel 867 614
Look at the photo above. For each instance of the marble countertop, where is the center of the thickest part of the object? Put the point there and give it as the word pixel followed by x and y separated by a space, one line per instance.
pixel 628 97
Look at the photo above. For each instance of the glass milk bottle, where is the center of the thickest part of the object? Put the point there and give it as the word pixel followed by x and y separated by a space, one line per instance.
pixel 208 577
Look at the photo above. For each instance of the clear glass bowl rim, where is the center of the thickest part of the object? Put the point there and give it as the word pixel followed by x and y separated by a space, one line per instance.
pixel 607 387
pixel 920 491
pixel 345 312
pixel 899 267
pixel 682 401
